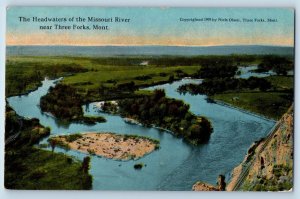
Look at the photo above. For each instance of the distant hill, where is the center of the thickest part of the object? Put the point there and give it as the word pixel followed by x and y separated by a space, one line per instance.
pixel 93 51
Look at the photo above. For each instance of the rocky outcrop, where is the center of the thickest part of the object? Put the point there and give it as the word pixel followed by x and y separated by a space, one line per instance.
pixel 201 186
pixel 269 164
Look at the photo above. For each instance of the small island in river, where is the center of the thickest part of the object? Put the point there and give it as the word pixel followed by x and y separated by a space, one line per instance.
pixel 108 145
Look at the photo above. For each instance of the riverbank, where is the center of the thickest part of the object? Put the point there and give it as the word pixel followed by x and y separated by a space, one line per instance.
pixel 108 145
pixel 222 103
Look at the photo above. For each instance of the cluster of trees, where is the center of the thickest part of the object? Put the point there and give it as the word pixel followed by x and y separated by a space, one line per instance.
pixel 32 131
pixel 143 77
pixel 130 86
pixel 167 113
pixel 25 163
pixel 64 103
pixel 12 123
pixel 109 107
pixel 199 60
pixel 175 60
pixel 220 85
pixel 218 70
pixel 280 65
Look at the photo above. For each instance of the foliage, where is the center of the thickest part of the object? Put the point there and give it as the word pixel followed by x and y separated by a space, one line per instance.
pixel 167 113
pixel 85 166
pixel 64 103
pixel 281 181
pixel 221 85
pixel 53 143
pixel 23 75
pixel 280 65
pixel 56 141
pixel 215 69
pixel 109 107
pixel 138 166
pixel 154 141
pixel 29 131
pixel 31 168
pixel 281 83
pixel 91 120
pixel 27 167
pixel 88 74
pixel 73 137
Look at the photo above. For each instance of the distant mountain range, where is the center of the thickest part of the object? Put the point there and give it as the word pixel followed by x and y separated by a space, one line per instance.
pixel 94 51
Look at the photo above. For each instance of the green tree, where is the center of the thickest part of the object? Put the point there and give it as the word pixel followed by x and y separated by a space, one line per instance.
pixel 86 164
pixel 53 143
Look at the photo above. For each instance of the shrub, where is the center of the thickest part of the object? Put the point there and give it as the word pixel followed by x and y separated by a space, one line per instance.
pixel 138 166
pixel 73 137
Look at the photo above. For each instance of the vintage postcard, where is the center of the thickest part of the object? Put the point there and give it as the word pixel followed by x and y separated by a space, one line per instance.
pixel 183 99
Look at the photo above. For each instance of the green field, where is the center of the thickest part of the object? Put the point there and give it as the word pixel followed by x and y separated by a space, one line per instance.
pixel 125 74
pixel 270 104
pixel 273 103
pixel 281 82
pixel 24 74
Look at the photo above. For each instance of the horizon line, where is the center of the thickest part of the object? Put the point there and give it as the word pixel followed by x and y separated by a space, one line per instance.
pixel 153 45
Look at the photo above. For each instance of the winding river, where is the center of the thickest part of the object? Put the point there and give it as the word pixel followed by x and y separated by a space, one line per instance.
pixel 176 165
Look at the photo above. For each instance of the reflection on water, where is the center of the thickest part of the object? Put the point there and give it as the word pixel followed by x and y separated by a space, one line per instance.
pixel 176 165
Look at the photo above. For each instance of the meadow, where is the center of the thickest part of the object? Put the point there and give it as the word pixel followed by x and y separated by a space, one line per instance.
pixel 106 78
pixel 24 74
pixel 272 103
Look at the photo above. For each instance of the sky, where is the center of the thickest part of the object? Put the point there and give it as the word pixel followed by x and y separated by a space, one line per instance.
pixel 153 26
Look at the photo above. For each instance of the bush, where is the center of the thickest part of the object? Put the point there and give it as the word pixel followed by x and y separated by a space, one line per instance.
pixel 138 166
pixel 73 137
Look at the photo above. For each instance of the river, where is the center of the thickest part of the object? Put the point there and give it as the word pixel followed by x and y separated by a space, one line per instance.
pixel 176 165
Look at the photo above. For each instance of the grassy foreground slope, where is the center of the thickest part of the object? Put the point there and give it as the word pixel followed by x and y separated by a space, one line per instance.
pixel 27 167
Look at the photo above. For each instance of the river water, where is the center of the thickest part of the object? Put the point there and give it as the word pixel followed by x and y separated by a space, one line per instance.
pixel 176 165
pixel 244 72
